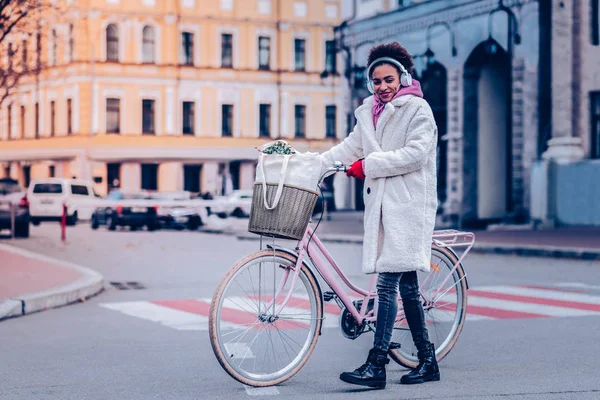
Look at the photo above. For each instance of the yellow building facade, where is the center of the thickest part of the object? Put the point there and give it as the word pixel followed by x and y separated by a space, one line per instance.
pixel 172 94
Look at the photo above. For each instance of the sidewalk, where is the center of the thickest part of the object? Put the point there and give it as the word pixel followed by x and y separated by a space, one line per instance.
pixel 579 243
pixel 30 282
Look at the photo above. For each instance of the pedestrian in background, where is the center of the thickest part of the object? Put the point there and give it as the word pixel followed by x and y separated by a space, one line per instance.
pixel 393 148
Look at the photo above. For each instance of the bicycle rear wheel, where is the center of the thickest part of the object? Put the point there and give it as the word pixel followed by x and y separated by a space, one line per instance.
pixel 445 307
pixel 253 343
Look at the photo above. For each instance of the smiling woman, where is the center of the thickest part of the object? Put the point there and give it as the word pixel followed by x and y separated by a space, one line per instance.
pixel 393 148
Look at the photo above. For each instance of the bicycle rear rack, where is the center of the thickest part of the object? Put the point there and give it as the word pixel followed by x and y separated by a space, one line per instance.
pixel 453 238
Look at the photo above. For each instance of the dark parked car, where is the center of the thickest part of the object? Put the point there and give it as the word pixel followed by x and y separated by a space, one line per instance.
pixel 12 194
pixel 124 209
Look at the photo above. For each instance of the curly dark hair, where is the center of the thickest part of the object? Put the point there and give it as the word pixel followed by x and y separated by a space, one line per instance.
pixel 394 50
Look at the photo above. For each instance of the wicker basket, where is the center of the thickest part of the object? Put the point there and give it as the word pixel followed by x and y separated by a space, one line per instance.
pixel 291 216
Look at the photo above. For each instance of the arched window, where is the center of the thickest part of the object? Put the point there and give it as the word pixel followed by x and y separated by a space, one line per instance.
pixel 148 44
pixel 112 43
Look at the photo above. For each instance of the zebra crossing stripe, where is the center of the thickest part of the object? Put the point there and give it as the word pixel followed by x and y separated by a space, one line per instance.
pixel 484 303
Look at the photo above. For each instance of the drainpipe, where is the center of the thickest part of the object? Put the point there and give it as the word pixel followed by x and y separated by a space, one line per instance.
pixel 279 67
pixel 339 32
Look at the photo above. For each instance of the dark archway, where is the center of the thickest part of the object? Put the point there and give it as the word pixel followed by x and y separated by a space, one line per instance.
pixel 486 136
pixel 434 83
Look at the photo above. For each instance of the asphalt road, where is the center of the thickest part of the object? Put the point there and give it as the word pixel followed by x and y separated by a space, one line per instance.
pixel 92 350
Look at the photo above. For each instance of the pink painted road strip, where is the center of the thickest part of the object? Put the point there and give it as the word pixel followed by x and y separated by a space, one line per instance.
pixel 227 314
pixel 494 312
pixel 536 300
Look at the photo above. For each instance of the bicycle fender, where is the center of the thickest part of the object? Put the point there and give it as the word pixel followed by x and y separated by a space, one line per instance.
pixel 460 265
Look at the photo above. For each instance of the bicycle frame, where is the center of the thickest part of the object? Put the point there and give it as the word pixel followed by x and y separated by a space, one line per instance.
pixel 310 242
pixel 307 247
pixel 328 270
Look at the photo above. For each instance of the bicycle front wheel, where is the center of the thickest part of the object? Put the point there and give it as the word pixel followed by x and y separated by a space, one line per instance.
pixel 444 298
pixel 254 342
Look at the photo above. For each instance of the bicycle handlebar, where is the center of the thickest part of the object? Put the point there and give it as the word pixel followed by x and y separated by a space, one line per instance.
pixel 336 167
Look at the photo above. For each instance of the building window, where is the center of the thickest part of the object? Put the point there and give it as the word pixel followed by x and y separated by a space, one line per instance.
pixel 71 50
pixel 227 120
pixel 51 171
pixel 112 43
pixel 113 116
pixel 187 48
pixel 37 120
pixel 299 54
pixel 188 118
pixel 52 118
pixel 38 49
pixel 191 178
pixel 9 121
pixel 265 120
pixel 54 54
pixel 148 45
pixel 149 176
pixel 226 50
pixel 148 117
pixel 595 114
pixel 264 53
pixel 22 122
pixel 595 23
pixel 10 53
pixel 330 57
pixel 300 119
pixel 330 121
pixel 69 116
pixel 24 54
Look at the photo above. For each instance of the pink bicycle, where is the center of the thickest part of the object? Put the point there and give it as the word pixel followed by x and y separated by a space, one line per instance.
pixel 267 313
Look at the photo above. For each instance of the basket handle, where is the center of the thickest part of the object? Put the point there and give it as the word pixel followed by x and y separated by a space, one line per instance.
pixel 284 165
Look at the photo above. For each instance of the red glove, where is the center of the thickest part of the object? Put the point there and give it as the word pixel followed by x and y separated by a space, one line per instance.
pixel 357 170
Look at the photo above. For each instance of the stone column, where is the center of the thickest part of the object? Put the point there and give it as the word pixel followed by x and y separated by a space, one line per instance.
pixel 209 175
pixel 16 173
pixel 3 170
pixel 170 176
pixel 131 177
pixel 247 175
pixel 40 170
pixel 564 146
pixel 452 206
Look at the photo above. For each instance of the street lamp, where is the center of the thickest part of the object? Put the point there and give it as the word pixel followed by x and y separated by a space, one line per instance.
pixel 429 54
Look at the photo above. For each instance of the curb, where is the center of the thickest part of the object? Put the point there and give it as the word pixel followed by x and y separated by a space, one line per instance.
pixel 585 254
pixel 90 284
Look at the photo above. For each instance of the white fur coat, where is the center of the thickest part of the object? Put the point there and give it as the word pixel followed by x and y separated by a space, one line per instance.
pixel 400 186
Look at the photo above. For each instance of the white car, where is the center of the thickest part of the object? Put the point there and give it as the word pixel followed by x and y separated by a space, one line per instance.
pixel 47 196
pixel 237 204
pixel 185 215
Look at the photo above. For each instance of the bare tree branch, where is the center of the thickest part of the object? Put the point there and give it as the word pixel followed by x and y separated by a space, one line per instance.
pixel 18 16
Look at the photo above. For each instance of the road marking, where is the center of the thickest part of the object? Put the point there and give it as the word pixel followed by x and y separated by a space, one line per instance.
pixel 173 318
pixel 578 285
pixel 544 294
pixel 484 303
pixel 238 350
pixel 261 391
pixel 539 309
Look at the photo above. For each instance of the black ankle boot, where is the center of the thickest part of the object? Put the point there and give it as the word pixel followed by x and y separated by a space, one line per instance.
pixel 371 373
pixel 426 371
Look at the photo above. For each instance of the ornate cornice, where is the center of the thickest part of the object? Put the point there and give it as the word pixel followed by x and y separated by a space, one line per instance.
pixel 384 26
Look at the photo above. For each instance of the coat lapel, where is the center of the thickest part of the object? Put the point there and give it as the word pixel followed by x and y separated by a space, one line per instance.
pixel 365 119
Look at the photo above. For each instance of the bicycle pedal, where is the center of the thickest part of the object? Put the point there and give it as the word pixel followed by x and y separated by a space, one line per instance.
pixel 394 345
pixel 328 296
